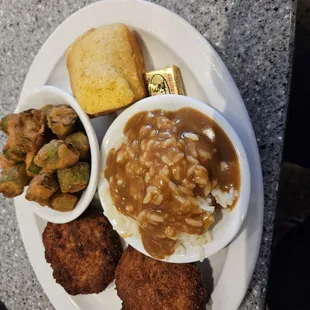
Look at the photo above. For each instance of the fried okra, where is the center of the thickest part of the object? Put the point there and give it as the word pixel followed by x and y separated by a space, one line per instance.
pixel 42 187
pixel 57 154
pixel 6 163
pixel 15 156
pixel 25 131
pixel 46 108
pixel 34 150
pixel 6 121
pixel 13 180
pixel 10 158
pixel 74 178
pixel 62 120
pixel 63 202
pixel 31 168
pixel 80 141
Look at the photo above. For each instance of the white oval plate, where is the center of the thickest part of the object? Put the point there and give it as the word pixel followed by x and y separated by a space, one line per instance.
pixel 165 39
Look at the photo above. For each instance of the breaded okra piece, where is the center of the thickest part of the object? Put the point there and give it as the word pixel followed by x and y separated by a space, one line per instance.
pixel 13 180
pixel 63 202
pixel 62 120
pixel 31 168
pixel 80 141
pixel 6 163
pixel 46 108
pixel 10 158
pixel 25 132
pixel 13 155
pixel 6 122
pixel 74 178
pixel 42 187
pixel 57 154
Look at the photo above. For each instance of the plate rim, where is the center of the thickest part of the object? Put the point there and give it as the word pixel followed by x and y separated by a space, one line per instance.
pixel 27 87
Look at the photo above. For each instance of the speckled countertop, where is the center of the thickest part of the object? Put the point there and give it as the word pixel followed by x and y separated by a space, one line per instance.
pixel 253 37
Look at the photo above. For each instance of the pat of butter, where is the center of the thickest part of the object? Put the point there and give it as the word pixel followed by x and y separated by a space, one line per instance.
pixel 165 81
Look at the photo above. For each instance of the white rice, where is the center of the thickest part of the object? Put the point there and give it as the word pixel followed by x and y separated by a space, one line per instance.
pixel 225 199
pixel 191 136
pixel 224 166
pixel 124 225
pixel 209 132
pixel 127 226
pixel 188 241
pixel 205 204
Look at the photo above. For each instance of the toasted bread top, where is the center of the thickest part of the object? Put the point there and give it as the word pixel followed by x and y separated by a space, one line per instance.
pixel 106 63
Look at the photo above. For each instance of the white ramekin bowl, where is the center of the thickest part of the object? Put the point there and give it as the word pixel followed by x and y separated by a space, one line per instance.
pixel 227 228
pixel 51 95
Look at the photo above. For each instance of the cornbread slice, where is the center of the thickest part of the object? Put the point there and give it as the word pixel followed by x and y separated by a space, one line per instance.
pixel 106 69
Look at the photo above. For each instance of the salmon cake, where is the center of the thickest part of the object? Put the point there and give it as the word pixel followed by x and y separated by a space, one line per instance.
pixel 144 283
pixel 83 253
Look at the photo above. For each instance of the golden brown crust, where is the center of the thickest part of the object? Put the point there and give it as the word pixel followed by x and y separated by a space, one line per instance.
pixel 26 131
pixel 69 58
pixel 139 61
pixel 109 111
pixel 103 59
pixel 144 283
pixel 6 163
pixel 83 253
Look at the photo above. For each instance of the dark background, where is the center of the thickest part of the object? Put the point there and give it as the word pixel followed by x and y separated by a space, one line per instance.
pixel 288 285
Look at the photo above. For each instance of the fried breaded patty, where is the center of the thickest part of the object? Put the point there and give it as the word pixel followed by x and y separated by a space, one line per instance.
pixel 144 283
pixel 83 253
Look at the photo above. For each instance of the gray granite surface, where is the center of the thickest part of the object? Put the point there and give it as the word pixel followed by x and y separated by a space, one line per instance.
pixel 253 37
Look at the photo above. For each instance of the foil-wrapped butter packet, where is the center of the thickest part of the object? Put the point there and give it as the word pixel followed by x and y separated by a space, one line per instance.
pixel 165 81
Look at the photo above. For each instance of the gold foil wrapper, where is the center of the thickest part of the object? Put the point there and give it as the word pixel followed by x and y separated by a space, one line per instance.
pixel 165 81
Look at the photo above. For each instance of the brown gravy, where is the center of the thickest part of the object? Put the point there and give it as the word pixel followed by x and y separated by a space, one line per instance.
pixel 168 160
